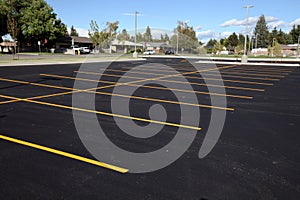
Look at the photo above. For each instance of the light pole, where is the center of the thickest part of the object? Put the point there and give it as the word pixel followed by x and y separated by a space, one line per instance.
pixel 273 47
pixel 298 47
pixel 177 42
pixel 135 54
pixel 244 57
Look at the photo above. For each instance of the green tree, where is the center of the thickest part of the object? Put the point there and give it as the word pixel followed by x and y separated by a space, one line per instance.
pixel 123 36
pixel 232 41
pixel 211 43
pixel 148 35
pixel 102 38
pixel 73 31
pixel 294 34
pixel 94 34
pixel 261 30
pixel 12 11
pixel 186 37
pixel 39 22
pixel 217 48
pixel 3 25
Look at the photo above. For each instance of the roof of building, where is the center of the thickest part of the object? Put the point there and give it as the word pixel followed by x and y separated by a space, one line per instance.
pixel 125 43
pixel 82 40
pixel 8 44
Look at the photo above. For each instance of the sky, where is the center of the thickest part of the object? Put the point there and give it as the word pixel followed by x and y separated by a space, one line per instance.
pixel 210 19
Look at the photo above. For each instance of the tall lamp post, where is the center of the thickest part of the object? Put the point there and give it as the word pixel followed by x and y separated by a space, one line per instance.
pixel 298 47
pixel 244 57
pixel 135 53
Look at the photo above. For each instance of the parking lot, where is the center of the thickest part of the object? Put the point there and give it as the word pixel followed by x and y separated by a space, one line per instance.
pixel 256 156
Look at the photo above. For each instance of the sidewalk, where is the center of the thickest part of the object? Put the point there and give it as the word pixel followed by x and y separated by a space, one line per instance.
pixel 48 59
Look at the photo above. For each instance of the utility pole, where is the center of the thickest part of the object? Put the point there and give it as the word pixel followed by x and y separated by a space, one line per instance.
pixel 244 57
pixel 135 54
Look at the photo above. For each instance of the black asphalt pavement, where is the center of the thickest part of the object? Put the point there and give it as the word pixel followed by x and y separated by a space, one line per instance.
pixel 256 157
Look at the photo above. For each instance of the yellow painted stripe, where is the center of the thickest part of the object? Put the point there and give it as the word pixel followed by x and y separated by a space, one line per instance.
pixel 253 74
pixel 194 77
pixel 243 77
pixel 65 154
pixel 258 71
pixel 232 81
pixel 213 85
pixel 104 113
pixel 192 91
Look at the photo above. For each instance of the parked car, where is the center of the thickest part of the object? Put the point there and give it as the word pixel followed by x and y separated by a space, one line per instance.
pixel 149 52
pixel 169 52
pixel 85 50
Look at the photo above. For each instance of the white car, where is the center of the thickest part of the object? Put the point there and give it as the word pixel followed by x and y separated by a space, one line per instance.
pixel 85 50
pixel 149 52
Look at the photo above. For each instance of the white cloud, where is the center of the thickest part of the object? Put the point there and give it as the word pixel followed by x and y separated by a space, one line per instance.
pixel 251 21
pixel 198 28
pixel 271 19
pixel 295 22
pixel 205 34
pixel 276 24
pixel 82 32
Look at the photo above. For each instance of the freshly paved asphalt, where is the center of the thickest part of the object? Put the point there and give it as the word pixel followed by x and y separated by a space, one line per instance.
pixel 256 157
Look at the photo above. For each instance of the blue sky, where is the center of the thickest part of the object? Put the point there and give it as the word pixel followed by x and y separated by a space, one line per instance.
pixel 211 19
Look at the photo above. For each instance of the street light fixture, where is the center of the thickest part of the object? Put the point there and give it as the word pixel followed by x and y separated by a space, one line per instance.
pixel 244 57
pixel 135 54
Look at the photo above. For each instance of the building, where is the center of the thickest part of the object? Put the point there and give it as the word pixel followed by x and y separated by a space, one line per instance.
pixel 124 46
pixel 68 41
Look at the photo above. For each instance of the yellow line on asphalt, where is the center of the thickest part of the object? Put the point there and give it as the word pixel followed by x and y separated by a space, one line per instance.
pixel 213 85
pixel 232 81
pixel 192 91
pixel 243 77
pixel 103 113
pixel 65 154
pixel 253 74
pixel 265 69
pixel 136 97
pixel 258 71
pixel 194 77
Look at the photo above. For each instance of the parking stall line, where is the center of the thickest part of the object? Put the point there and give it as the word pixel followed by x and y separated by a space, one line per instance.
pixel 193 77
pixel 64 154
pixel 103 113
pixel 126 96
pixel 257 72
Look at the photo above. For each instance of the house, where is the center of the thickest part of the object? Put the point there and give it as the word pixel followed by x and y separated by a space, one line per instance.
pixel 289 50
pixel 68 41
pixel 158 47
pixel 7 47
pixel 123 46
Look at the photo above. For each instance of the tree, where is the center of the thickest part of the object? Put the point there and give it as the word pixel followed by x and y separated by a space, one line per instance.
pixel 123 36
pixel 94 34
pixel 186 37
pixel 147 35
pixel 275 50
pixel 261 31
pixel 31 20
pixel 102 38
pixel 11 11
pixel 166 38
pixel 3 24
pixel 295 33
pixel 73 31
pixel 217 48
pixel 211 43
pixel 232 41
